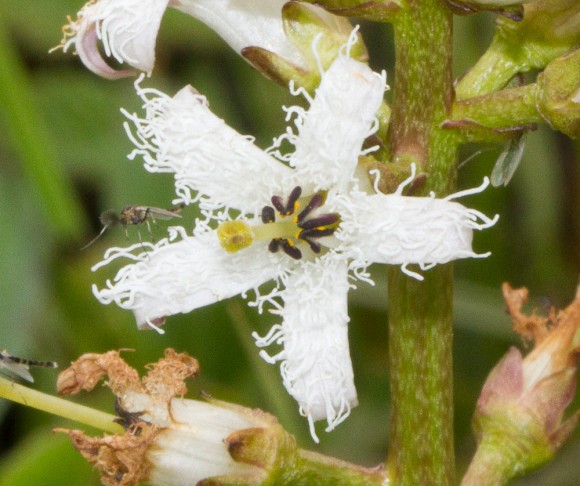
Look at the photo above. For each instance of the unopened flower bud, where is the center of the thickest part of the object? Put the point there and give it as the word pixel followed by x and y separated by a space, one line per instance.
pixel 558 99
pixel 518 421
pixel 549 29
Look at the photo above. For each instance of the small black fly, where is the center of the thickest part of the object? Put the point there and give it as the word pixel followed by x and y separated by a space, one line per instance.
pixel 134 215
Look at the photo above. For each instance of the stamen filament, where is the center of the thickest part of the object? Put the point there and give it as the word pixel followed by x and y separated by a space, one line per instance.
pixel 58 406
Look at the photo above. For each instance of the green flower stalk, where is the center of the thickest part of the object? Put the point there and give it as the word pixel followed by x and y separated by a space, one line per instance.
pixel 57 406
pixel 554 98
pixel 519 418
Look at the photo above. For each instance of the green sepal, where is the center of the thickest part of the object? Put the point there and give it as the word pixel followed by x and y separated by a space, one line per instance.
pixel 515 451
pixel 303 26
pixel 279 69
pixel 261 447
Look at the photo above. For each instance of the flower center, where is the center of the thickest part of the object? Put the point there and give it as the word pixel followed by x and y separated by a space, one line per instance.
pixel 284 226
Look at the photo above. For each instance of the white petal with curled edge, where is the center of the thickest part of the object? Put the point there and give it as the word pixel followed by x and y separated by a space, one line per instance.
pixel 332 131
pixel 178 277
pixel 127 28
pixel 316 366
pixel 181 135
pixel 129 31
pixel 88 51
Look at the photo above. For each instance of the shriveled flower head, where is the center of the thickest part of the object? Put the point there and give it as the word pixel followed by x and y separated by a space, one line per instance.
pixel 305 220
pixel 170 440
pixel 128 30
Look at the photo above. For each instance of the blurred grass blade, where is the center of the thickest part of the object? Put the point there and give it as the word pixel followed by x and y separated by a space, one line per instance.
pixel 30 141
pixel 267 377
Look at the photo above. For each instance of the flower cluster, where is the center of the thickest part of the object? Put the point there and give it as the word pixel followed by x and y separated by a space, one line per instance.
pixel 307 219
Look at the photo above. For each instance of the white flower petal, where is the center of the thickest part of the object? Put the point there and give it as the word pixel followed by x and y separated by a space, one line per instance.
pixel 127 28
pixel 192 447
pixel 244 23
pixel 340 117
pixel 402 230
pixel 88 51
pixel 181 135
pixel 181 276
pixel 189 445
pixel 316 367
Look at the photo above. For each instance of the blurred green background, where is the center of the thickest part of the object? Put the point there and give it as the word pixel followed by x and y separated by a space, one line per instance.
pixel 63 161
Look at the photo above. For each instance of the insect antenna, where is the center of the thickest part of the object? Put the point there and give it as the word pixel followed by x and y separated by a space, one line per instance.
pixel 94 239
pixel 108 219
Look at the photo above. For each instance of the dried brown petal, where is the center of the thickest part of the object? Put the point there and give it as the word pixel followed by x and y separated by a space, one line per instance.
pixel 530 327
pixel 120 459
pixel 165 379
pixel 90 368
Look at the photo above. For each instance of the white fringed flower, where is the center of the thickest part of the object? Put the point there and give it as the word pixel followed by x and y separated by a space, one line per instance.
pixel 128 29
pixel 305 223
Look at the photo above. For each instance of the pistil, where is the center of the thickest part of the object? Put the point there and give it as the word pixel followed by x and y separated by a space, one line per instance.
pixel 283 226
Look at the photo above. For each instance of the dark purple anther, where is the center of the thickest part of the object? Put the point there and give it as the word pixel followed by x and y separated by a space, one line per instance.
pixel 278 204
pixel 315 233
pixel 291 250
pixel 323 220
pixel 292 199
pixel 274 245
pixel 268 215
pixel 314 246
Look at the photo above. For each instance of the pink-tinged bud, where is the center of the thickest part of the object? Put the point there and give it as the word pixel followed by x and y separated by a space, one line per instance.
pixel 518 421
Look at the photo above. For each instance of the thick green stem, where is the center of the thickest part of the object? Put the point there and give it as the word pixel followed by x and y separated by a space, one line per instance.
pixel 420 359
pixel 420 314
pixel 423 93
